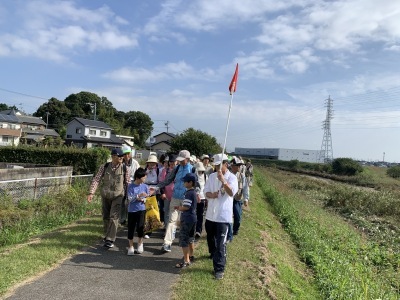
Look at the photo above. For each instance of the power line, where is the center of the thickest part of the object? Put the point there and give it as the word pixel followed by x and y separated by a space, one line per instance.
pixel 22 94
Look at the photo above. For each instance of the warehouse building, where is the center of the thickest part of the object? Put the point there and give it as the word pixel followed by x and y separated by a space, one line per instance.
pixel 311 156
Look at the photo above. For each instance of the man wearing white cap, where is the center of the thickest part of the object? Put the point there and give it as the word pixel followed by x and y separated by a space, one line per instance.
pixel 178 195
pixel 219 190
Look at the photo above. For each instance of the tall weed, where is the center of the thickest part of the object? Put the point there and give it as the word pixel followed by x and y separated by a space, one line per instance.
pixel 345 265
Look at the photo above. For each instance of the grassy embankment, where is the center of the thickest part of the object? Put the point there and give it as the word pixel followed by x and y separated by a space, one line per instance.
pixel 23 253
pixel 348 263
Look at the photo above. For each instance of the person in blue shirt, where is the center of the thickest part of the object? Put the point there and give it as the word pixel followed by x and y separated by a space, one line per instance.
pixel 136 196
pixel 188 220
pixel 178 195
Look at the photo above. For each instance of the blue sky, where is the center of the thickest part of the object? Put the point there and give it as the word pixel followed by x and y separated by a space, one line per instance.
pixel 174 61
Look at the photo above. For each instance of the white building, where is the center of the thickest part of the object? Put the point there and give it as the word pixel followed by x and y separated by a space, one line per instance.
pixel 311 156
pixel 84 133
pixel 10 130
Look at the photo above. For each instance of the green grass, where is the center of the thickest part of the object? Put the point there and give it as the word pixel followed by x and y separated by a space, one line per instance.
pixel 346 264
pixel 262 263
pixel 19 263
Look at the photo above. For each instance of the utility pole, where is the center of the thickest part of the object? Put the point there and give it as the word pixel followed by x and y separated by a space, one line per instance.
pixel 167 125
pixel 93 106
pixel 47 118
pixel 326 153
pixel 383 157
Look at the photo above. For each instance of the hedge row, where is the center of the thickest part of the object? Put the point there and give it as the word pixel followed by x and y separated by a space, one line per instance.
pixel 83 161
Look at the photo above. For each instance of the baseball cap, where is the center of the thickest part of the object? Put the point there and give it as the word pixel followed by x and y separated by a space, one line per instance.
pixel 126 149
pixel 117 151
pixel 189 177
pixel 219 158
pixel 236 161
pixel 183 155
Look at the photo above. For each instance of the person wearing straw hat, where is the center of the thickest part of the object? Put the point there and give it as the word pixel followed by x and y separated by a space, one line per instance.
pixel 205 159
pixel 219 189
pixel 152 174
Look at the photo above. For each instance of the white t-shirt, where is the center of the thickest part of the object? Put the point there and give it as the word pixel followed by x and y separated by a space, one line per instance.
pixel 220 209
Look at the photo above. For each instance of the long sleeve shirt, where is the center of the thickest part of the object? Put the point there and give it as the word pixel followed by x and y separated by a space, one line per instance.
pixel 96 180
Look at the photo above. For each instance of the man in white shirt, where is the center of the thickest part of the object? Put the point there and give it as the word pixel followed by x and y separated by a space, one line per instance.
pixel 219 190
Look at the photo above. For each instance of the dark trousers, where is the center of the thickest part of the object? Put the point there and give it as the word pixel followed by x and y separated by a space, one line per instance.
pixel 237 215
pixel 216 239
pixel 136 221
pixel 200 213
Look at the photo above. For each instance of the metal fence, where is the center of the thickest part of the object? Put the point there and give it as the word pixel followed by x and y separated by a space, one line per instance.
pixel 36 188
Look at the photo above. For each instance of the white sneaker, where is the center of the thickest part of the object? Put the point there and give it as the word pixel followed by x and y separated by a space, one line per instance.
pixel 146 236
pixel 131 251
pixel 139 248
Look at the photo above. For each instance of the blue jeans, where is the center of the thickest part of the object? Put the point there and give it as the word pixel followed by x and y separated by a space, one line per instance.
pixel 237 215
pixel 216 239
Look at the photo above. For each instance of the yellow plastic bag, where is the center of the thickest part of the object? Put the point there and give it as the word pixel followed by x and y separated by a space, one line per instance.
pixel 152 219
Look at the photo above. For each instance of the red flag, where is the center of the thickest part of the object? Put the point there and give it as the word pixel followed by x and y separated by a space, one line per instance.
pixel 232 86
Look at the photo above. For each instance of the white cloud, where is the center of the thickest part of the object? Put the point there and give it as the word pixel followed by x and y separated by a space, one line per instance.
pixel 53 30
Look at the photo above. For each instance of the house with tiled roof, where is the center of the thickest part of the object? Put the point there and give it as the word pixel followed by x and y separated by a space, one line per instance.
pixel 31 129
pixel 84 133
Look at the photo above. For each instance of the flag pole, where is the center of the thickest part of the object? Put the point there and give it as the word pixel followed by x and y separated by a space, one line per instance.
pixel 227 125
pixel 232 90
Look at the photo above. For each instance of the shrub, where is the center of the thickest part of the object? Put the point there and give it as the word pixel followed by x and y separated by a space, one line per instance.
pixel 393 172
pixel 346 166
pixel 294 164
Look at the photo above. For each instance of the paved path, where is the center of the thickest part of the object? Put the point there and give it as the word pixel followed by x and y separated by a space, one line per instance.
pixel 99 273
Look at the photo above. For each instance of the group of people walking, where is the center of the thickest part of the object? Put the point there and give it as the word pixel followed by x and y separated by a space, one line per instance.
pixel 185 187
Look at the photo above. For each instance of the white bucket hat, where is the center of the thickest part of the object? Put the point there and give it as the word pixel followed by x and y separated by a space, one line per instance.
pixel 152 159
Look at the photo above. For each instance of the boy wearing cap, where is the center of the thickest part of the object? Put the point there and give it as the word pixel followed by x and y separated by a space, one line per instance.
pixel 219 190
pixel 188 220
pixel 115 179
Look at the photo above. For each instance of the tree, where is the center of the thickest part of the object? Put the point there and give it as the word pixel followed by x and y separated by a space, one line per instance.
pixel 346 166
pixel 81 104
pixel 59 114
pixel 196 142
pixel 393 172
pixel 3 106
pixel 140 124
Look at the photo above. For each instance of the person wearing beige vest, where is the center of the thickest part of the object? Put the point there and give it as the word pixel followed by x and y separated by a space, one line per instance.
pixel 115 178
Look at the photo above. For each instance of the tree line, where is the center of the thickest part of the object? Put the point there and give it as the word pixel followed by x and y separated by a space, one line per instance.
pixel 87 105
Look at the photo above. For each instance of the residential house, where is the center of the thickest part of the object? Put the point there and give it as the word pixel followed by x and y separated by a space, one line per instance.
pixel 33 129
pixel 84 133
pixel 10 130
pixel 160 143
